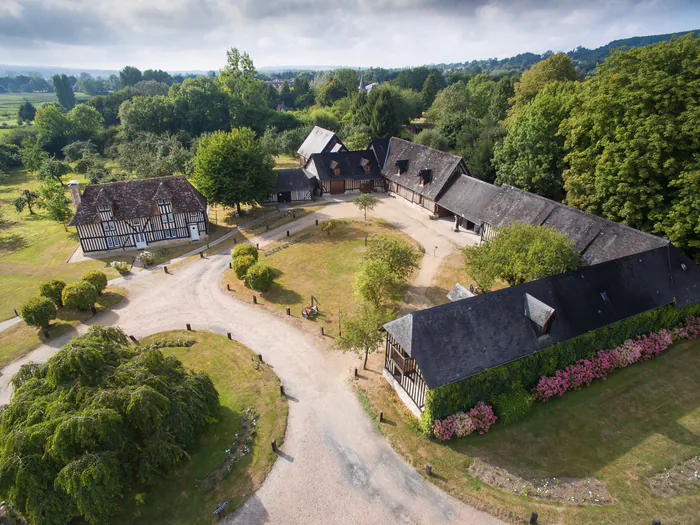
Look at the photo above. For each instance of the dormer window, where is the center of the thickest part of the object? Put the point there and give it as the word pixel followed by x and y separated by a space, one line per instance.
pixel 366 165
pixel 540 314
pixel 335 167
pixel 402 166
pixel 425 176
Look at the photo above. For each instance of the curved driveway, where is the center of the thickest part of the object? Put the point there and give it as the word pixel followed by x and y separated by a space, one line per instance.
pixel 335 468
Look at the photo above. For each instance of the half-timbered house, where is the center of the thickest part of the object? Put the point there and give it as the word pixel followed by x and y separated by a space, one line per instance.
pixel 138 213
pixel 342 171
pixel 292 185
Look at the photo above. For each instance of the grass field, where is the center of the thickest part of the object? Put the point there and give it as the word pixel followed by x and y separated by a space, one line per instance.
pixel 322 265
pixel 286 162
pixel 10 103
pixel 181 497
pixel 620 431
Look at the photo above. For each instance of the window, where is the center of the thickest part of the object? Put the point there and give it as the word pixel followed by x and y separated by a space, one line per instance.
pixel 109 226
pixel 168 220
pixel 112 242
pixel 194 216
pixel 368 168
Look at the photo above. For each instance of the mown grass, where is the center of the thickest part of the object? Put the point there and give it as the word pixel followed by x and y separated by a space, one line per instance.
pixel 620 431
pixel 286 162
pixel 276 218
pixel 322 265
pixel 10 103
pixel 20 339
pixel 180 498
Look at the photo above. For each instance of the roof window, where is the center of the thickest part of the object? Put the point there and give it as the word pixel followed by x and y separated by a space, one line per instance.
pixel 425 176
pixel 402 166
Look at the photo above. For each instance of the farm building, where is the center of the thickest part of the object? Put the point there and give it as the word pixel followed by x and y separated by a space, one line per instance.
pixel 342 171
pixel 431 348
pixel 320 140
pixel 292 185
pixel 138 213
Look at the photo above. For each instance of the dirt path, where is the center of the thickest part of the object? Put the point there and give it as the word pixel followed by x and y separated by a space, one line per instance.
pixel 335 468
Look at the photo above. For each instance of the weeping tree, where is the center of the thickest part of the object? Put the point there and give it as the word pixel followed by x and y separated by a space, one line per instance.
pixel 96 418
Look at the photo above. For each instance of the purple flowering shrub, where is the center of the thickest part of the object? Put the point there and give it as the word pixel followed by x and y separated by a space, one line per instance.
pixel 599 366
pixel 478 419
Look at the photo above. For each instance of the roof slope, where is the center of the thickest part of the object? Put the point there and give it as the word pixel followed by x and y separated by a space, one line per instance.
pixel 379 147
pixel 468 197
pixel 292 179
pixel 137 198
pixel 318 141
pixel 441 164
pixel 349 162
pixel 457 340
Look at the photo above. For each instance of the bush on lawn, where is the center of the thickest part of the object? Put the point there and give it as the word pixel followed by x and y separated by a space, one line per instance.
pixel 241 264
pixel 38 312
pixel 260 277
pixel 245 249
pixel 97 279
pixel 53 290
pixel 79 296
pixel 329 226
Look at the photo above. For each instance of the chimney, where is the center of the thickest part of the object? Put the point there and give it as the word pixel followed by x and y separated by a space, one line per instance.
pixel 74 188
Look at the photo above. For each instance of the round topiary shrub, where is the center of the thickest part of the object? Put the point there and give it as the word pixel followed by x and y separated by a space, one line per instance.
pixel 241 265
pixel 79 296
pixel 260 277
pixel 39 312
pixel 97 279
pixel 53 290
pixel 245 249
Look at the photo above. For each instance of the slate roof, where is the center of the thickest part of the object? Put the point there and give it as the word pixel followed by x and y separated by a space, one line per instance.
pixel 468 197
pixel 318 141
pixel 137 198
pixel 419 157
pixel 379 147
pixel 293 179
pixel 460 339
pixel 458 292
pixel 321 165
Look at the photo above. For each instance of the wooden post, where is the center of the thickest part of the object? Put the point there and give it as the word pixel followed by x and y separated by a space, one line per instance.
pixel 281 390
pixel 289 311
pixel 340 317
pixel 260 358
pixel 274 445
pixel 201 254
pixel 356 374
pixel 381 416
pixel 228 287
pixel 133 339
pixel 228 334
pixel 93 309
pixel 255 299
pixel 287 233
pixel 189 328
pixel 165 269
pixel 15 309
pixel 533 518
pixel 316 222
pixel 230 266
pixel 656 522
pixel 267 227
pixel 257 246
pixel 428 469
pixel 322 331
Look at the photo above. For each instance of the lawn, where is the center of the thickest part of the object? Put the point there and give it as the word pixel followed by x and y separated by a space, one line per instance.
pixel 620 431
pixel 10 103
pixel 322 265
pixel 452 271
pixel 283 162
pixel 185 496
pixel 20 339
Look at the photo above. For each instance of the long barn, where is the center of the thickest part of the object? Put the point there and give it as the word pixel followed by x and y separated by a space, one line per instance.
pixel 138 213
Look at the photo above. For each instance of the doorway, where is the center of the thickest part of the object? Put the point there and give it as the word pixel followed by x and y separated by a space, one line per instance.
pixel 194 232
pixel 140 241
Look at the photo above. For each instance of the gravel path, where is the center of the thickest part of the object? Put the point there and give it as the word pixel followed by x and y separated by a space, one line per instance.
pixel 334 467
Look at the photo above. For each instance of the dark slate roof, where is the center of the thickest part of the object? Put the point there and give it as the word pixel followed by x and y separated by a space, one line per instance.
pixel 513 205
pixel 457 340
pixel 379 147
pixel 468 197
pixel 616 240
pixel 419 157
pixel 294 179
pixel 137 198
pixel 318 141
pixel 458 292
pixel 321 165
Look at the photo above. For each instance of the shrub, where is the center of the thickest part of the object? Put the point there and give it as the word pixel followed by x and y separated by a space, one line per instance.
pixel 38 312
pixel 121 266
pixel 482 416
pixel 513 405
pixel 241 264
pixel 329 226
pixel 478 419
pixel 246 249
pixel 97 279
pixel 260 277
pixel 146 257
pixel 79 296
pixel 52 290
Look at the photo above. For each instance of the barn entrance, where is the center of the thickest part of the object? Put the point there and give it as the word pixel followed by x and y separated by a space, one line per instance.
pixel 284 196
pixel 337 186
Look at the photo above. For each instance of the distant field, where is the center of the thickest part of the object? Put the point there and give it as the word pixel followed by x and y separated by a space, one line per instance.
pixel 10 102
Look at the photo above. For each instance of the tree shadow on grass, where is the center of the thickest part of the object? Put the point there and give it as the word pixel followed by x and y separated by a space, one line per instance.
pixel 279 294
pixel 12 242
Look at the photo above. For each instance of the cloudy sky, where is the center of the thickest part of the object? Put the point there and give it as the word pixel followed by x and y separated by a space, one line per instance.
pixel 194 34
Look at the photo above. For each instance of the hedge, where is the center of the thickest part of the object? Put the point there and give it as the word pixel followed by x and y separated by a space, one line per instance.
pixel 245 249
pixel 260 277
pixel 97 279
pixel 526 372
pixel 38 312
pixel 53 290
pixel 241 264
pixel 79 296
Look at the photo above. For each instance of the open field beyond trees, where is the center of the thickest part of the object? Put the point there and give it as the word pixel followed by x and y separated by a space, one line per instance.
pixel 620 432
pixel 10 103
pixel 191 492
pixel 320 265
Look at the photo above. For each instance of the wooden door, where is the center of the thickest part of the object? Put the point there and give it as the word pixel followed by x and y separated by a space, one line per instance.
pixel 337 186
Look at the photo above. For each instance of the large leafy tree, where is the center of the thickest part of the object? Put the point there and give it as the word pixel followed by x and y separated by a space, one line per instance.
pixel 27 198
pixel 54 127
pixel 531 155
pixel 149 114
pixel 64 91
pixel 233 168
pixel 26 112
pixel 399 255
pixel 85 122
pixel 361 333
pixel 99 416
pixel 633 140
pixel 55 203
pixel 150 155
pixel 200 105
pixel 520 253
pixel 129 76
pixel 557 67
pixel 432 85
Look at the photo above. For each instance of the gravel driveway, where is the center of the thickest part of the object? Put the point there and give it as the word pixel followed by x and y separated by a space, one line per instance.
pixel 335 468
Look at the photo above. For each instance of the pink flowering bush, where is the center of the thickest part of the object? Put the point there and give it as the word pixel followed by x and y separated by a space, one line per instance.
pixel 482 417
pixel 478 419
pixel 599 366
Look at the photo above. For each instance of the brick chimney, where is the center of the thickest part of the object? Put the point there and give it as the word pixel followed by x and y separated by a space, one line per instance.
pixel 74 188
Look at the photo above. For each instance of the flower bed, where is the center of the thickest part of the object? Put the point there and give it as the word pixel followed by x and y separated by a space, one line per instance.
pixel 478 419
pixel 599 366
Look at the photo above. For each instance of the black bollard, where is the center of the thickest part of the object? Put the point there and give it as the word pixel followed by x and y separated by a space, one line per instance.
pixel 322 331
pixel 230 266
pixel 287 233
pixel 267 227
pixel 15 309
pixel 260 358
pixel 656 522
pixel 274 445
pixel 133 339
pixel 316 222
pixel 289 311
pixel 533 518
pixel 201 255
pixel 428 469
pixel 257 246
pixel 294 215
pixel 189 328
pixel 165 269
pixel 381 416
pixel 356 374
pixel 228 287
pixel 228 334
pixel 255 299
pixel 235 241
pixel 281 390
pixel 93 310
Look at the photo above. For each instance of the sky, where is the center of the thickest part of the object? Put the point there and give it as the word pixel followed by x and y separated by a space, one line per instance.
pixel 195 34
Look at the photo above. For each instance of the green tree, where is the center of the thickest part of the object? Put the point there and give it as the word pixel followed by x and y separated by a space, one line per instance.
pixel 233 168
pixel 55 203
pixel 361 332
pixel 520 253
pixel 27 198
pixel 153 155
pixel 365 202
pixel 329 93
pixel 85 122
pixel 53 126
pixel 432 85
pixel 433 139
pixel 75 151
pixel 557 67
pixel 26 112
pixel 157 75
pixel 120 416
pixel 375 284
pixel 452 100
pixel 129 76
pixel 38 312
pixel 200 105
pixel 246 249
pixel 33 154
pixel 53 290
pixel 632 140
pixel 64 91
pixel 329 226
pixel 285 95
pixel 52 170
pixel 97 279
pixel 79 296
pixel 531 155
pixel 149 114
pixel 384 122
pixel 260 277
pixel 400 257
pixel 242 264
